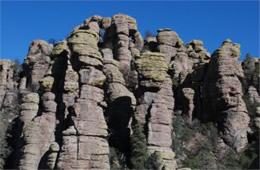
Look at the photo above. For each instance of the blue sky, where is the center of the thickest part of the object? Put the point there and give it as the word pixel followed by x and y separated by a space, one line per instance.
pixel 210 21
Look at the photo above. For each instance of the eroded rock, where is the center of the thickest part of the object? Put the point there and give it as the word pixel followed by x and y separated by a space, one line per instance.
pixel 222 95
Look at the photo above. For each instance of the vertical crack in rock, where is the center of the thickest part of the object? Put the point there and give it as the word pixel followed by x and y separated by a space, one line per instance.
pixel 9 109
pixel 104 67
pixel 7 83
pixel 121 104
pixel 124 27
pixel 84 139
pixel 154 83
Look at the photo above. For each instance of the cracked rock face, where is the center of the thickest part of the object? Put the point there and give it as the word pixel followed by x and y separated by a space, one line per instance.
pixel 84 140
pixel 257 118
pixel 152 108
pixel 223 95
pixel 36 63
pixel 77 99
pixel 251 67
pixel 151 68
pixel 7 82
pixel 253 95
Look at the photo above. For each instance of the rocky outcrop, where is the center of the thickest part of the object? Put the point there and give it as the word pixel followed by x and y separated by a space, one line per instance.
pixel 197 53
pixel 152 109
pixel 123 37
pixel 251 67
pixel 36 64
pixel 84 137
pixel 79 97
pixel 253 95
pixel 7 83
pixel 257 118
pixel 38 129
pixel 9 105
pixel 222 95
pixel 152 69
pixel 188 101
pixel 168 42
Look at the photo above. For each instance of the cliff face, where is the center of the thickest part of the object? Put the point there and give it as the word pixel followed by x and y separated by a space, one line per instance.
pixel 78 98
pixel 223 95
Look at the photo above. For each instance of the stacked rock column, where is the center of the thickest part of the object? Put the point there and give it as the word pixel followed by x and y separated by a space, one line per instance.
pixel 39 125
pixel 125 27
pixel 36 64
pixel 168 43
pixel 222 95
pixel 188 94
pixel 123 54
pixel 84 141
pixel 29 109
pixel 6 80
pixel 152 110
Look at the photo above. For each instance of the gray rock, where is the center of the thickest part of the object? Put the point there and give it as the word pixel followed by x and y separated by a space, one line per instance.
pixel 222 95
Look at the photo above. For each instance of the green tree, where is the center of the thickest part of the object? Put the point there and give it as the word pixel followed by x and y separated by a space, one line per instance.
pixel 117 159
pixel 139 152
pixel 154 161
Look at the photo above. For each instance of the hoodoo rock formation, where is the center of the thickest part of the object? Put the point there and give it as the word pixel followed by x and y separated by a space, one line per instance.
pixel 76 100
pixel 223 95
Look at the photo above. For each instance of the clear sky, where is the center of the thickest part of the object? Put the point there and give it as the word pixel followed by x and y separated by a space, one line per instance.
pixel 210 21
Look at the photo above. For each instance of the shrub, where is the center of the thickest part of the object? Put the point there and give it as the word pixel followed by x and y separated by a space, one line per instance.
pixel 154 161
pixel 139 152
pixel 249 155
pixel 175 82
pixel 131 79
pixel 117 159
pixel 182 134
pixel 230 160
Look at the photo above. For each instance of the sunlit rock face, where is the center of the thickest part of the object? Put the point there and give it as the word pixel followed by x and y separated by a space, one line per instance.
pixel 223 95
pixel 75 100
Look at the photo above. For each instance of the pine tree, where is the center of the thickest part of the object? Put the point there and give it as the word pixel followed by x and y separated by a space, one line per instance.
pixel 139 152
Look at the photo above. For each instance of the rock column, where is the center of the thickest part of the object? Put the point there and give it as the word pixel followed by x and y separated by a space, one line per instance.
pixel 152 110
pixel 84 141
pixel 222 95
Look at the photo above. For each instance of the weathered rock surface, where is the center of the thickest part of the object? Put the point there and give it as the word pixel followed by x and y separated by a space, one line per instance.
pixel 168 42
pixel 253 95
pixel 151 68
pixel 84 138
pixel 36 63
pixel 38 129
pixel 251 67
pixel 257 118
pixel 9 105
pixel 188 100
pixel 77 99
pixel 152 109
pixel 7 83
pixel 222 95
